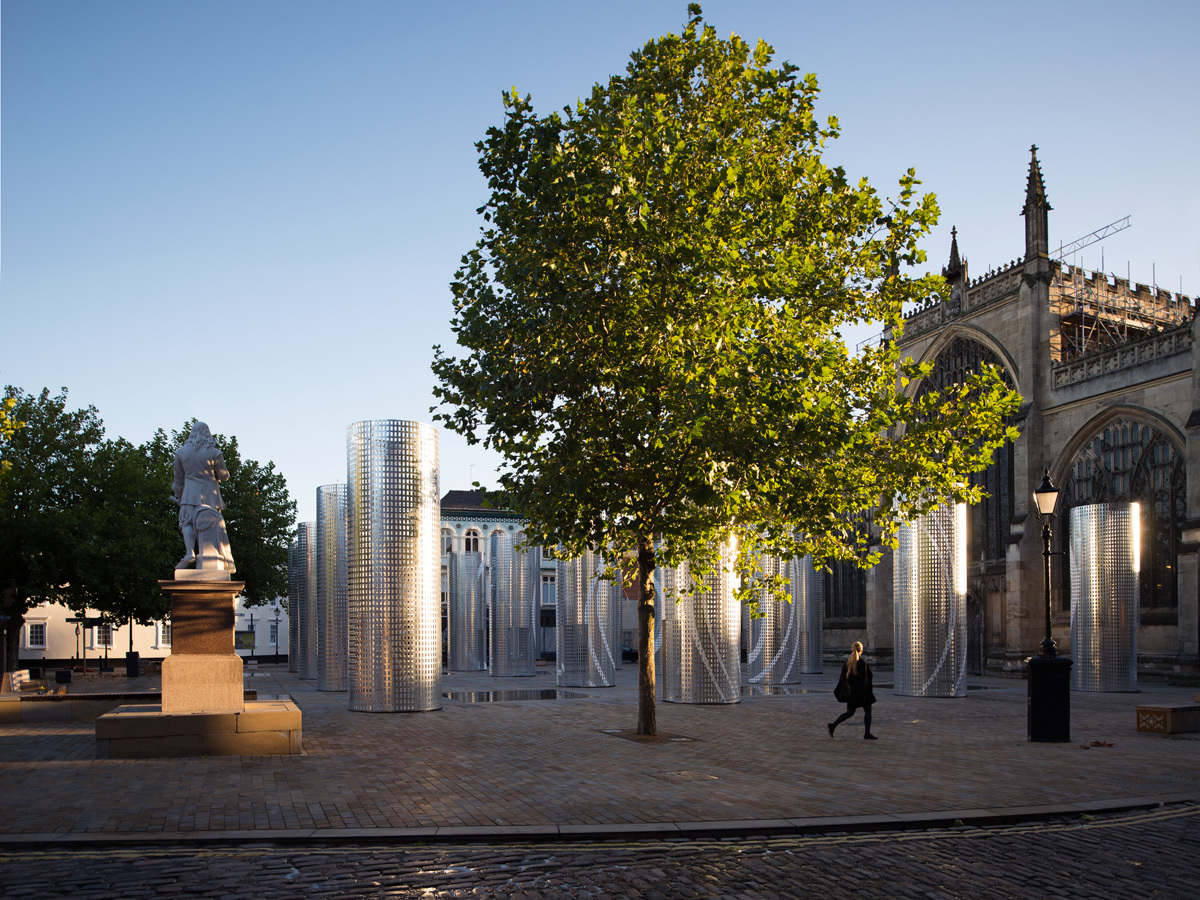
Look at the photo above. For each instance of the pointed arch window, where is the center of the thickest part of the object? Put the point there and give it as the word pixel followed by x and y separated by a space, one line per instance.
pixel 991 518
pixel 1132 461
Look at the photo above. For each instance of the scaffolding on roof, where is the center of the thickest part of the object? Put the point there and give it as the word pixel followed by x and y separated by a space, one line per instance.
pixel 1097 311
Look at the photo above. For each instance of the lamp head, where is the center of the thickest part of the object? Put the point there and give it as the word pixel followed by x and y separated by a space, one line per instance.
pixel 1046 496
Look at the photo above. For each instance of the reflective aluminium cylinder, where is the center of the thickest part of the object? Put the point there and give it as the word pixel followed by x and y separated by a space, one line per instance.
pixel 514 599
pixel 931 605
pixel 308 600
pixel 332 644
pixel 293 563
pixel 1105 612
pixel 807 588
pixel 666 593
pixel 774 636
pixel 584 627
pixel 393 524
pixel 701 641
pixel 466 612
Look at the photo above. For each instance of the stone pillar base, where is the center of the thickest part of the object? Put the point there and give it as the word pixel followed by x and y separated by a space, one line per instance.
pixel 202 683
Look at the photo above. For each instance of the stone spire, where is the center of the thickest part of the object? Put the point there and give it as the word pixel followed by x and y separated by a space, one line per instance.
pixel 1037 229
pixel 952 271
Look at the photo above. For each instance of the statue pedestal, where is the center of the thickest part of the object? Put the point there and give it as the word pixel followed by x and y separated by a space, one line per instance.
pixel 203 711
pixel 203 674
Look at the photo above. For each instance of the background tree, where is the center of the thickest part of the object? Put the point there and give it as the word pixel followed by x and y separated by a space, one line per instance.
pixel 651 324
pixel 43 496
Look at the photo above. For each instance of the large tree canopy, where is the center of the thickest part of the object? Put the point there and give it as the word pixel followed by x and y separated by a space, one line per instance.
pixel 87 521
pixel 651 326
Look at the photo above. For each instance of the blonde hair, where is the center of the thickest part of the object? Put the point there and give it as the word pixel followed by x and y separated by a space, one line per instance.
pixel 856 650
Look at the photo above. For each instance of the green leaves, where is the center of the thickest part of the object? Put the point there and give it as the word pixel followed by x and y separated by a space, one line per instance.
pixel 648 325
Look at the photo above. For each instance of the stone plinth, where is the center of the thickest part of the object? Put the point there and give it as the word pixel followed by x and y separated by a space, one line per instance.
pixel 262 728
pixel 203 674
pixel 1170 718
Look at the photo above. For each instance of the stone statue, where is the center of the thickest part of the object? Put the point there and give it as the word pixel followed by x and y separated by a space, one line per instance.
pixel 199 470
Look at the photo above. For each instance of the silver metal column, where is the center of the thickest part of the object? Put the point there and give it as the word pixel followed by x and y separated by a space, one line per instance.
pixel 1105 610
pixel 307 581
pixel 466 612
pixel 294 614
pixel 808 607
pixel 584 614
pixel 332 643
pixel 666 593
pixel 774 637
pixel 701 641
pixel 394 602
pixel 514 599
pixel 931 605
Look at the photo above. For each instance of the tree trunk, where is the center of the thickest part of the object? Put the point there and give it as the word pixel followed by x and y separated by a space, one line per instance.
pixel 647 723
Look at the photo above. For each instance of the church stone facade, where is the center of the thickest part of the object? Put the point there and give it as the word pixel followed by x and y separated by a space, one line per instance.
pixel 1109 375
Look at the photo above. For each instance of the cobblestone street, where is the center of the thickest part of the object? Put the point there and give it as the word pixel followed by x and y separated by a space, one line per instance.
pixel 1151 854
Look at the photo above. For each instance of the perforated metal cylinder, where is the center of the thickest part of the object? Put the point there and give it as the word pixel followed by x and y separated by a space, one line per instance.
pixel 775 637
pixel 701 641
pixel 666 592
pixel 931 605
pixel 807 589
pixel 1104 560
pixel 513 593
pixel 584 629
pixel 332 643
pixel 293 563
pixel 394 602
pixel 307 582
pixel 466 612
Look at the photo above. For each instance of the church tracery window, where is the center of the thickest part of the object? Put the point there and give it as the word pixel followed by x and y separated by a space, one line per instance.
pixel 990 519
pixel 1132 461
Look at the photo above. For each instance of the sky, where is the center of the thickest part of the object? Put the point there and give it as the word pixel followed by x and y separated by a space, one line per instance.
pixel 249 212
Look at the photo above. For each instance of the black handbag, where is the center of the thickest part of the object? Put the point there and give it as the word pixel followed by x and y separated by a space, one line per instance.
pixel 842 692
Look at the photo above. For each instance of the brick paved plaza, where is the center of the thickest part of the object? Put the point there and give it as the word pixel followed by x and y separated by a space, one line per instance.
pixel 568 768
pixel 551 798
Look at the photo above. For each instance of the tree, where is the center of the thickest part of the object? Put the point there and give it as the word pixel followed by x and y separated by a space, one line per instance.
pixel 42 496
pixel 650 325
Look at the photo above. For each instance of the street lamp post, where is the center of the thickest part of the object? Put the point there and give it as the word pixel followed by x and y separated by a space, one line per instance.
pixel 277 635
pixel 1049 717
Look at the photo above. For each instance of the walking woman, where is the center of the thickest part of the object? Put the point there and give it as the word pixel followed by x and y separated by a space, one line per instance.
pixel 854 689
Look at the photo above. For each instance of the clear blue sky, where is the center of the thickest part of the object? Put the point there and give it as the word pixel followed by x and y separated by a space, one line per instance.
pixel 249 212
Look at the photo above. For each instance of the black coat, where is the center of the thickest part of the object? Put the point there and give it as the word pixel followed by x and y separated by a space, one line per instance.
pixel 855 688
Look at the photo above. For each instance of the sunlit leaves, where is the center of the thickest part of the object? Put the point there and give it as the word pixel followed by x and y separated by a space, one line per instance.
pixel 648 325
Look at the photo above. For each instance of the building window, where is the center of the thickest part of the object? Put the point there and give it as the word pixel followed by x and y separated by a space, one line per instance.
pixel 471 541
pixel 165 634
pixel 274 634
pixel 548 590
pixel 845 590
pixel 104 635
pixel 1130 461
pixel 35 636
pixel 447 540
